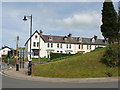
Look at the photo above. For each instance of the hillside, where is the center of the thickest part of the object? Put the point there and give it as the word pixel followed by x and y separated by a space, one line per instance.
pixel 83 66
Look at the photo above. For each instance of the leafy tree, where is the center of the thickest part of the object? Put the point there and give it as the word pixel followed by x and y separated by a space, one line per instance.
pixel 110 58
pixel 109 27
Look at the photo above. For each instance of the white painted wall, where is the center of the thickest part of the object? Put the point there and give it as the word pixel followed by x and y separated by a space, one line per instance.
pixel 36 40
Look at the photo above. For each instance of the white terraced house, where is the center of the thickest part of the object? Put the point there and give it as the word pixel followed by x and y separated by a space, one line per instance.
pixel 60 44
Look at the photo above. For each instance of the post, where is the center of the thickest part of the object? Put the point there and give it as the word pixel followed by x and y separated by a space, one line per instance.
pixel 23 57
pixel 30 61
pixel 39 48
pixel 17 58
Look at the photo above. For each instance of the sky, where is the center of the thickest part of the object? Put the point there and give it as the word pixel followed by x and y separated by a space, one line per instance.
pixel 81 19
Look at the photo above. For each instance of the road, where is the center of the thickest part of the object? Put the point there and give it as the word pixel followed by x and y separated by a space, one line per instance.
pixel 8 82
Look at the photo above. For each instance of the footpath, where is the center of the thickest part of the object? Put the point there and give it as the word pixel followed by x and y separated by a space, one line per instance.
pixel 22 74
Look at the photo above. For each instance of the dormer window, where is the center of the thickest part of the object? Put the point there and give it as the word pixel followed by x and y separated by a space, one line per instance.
pixel 50 38
pixel 93 40
pixel 65 38
pixel 80 39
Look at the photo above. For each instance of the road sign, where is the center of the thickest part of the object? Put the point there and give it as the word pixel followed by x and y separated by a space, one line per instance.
pixel 30 52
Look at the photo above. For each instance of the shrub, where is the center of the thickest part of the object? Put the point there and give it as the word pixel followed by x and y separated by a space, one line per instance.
pixel 41 59
pixel 4 57
pixel 58 55
pixel 108 74
pixel 110 57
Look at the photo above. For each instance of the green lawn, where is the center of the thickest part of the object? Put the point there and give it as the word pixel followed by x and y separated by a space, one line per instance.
pixel 81 66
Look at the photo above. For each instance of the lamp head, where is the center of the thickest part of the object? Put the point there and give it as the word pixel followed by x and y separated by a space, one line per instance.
pixel 25 18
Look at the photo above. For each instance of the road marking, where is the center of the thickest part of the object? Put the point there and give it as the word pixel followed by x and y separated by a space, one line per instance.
pixel 3 74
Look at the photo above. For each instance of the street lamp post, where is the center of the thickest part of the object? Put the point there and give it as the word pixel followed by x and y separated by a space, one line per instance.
pixel 30 59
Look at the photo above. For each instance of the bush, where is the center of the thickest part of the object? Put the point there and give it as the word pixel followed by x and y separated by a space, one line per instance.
pixel 58 55
pixel 108 74
pixel 4 57
pixel 110 57
pixel 41 59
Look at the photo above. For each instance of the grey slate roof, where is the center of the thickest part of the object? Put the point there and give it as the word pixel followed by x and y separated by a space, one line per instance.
pixel 73 40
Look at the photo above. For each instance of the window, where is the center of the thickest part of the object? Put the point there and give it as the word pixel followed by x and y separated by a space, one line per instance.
pixel 79 46
pixel 82 46
pixel 61 45
pixel 35 52
pixel 58 45
pixel 37 44
pixel 61 51
pixel 36 36
pixel 51 45
pixel 48 45
pixel 95 46
pixel 67 46
pixel 90 46
pixel 70 46
pixel 57 51
pixel 34 44
pixel 87 47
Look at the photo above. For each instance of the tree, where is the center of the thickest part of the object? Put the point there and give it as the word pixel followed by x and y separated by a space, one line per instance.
pixel 109 27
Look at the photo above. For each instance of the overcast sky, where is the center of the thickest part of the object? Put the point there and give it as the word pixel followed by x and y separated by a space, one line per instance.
pixel 82 19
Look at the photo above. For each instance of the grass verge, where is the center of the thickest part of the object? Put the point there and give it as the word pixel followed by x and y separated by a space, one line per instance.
pixel 82 66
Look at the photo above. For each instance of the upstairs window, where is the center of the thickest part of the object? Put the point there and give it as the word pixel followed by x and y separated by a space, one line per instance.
pixel 79 46
pixel 37 44
pixel 70 46
pixel 61 45
pixel 90 46
pixel 51 45
pixel 87 47
pixel 58 45
pixel 48 45
pixel 67 46
pixel 34 44
pixel 82 46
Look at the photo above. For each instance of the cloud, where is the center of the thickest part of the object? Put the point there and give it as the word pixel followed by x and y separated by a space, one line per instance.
pixel 82 19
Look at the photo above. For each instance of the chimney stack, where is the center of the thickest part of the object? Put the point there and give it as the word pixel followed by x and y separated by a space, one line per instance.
pixel 41 32
pixel 95 37
pixel 70 35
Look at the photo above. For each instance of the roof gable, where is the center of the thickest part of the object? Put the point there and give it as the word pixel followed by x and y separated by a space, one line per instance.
pixel 32 36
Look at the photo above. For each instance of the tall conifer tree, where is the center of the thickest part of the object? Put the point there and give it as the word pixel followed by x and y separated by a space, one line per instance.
pixel 109 27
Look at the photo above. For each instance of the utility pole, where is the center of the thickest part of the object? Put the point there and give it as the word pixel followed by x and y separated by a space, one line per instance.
pixel 17 57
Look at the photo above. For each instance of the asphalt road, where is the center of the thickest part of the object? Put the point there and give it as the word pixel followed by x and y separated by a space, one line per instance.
pixel 8 82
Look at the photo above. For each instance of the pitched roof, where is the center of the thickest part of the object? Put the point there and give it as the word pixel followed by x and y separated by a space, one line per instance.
pixel 6 47
pixel 73 40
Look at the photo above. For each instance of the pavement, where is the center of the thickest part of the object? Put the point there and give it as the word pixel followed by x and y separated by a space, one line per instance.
pixel 22 74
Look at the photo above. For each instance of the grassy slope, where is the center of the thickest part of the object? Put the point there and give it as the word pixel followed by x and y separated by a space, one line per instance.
pixel 83 66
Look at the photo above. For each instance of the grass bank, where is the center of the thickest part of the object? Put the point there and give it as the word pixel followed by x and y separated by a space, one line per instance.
pixel 82 66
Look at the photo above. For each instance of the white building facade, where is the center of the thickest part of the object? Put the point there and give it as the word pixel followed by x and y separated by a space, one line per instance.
pixel 60 44
pixel 4 51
